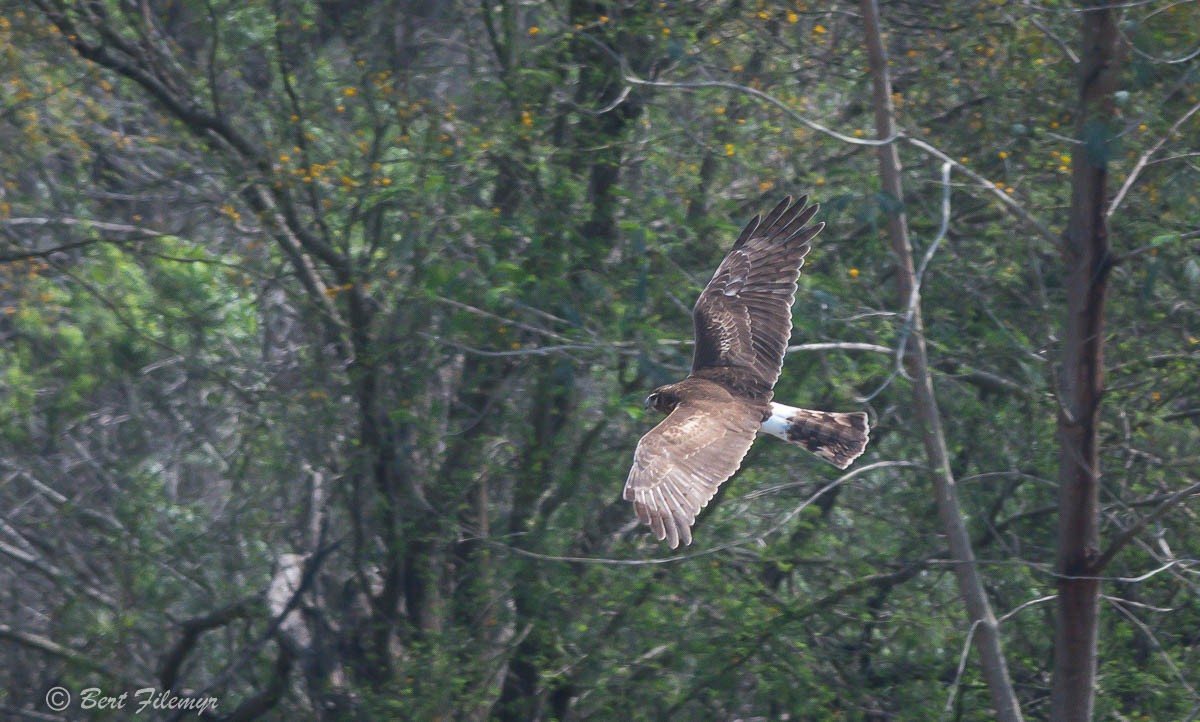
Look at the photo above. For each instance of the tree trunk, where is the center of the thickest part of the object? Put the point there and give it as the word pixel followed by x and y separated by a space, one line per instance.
pixel 1081 378
pixel 979 610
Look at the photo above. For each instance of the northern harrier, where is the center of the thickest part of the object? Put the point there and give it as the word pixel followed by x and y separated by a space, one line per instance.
pixel 743 321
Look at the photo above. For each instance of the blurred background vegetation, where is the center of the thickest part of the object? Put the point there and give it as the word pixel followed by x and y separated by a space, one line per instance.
pixel 326 328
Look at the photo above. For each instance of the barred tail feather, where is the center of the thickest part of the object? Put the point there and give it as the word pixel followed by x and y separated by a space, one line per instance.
pixel 835 437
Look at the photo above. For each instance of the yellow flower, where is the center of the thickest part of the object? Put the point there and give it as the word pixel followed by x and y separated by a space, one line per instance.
pixel 1002 155
pixel 853 273
pixel 729 149
pixel 534 30
pixel 666 31
pixel 350 92
pixel 819 30
pixel 792 17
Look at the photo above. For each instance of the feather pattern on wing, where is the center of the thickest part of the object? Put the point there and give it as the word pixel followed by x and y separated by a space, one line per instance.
pixel 679 464
pixel 743 318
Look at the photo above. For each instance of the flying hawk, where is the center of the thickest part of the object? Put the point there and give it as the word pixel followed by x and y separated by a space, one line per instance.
pixel 743 321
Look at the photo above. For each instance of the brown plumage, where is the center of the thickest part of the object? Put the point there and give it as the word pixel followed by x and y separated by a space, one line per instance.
pixel 743 322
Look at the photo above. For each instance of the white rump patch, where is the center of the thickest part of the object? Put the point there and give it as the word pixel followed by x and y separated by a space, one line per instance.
pixel 777 423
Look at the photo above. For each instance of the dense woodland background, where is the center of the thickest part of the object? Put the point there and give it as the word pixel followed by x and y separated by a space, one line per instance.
pixel 326 328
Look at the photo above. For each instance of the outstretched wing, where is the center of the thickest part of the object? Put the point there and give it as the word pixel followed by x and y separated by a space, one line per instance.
pixel 743 319
pixel 679 464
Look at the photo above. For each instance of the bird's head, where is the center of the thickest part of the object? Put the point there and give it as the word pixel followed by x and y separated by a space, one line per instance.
pixel 663 400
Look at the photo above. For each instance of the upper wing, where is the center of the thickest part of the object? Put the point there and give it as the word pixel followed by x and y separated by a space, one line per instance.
pixel 679 464
pixel 743 319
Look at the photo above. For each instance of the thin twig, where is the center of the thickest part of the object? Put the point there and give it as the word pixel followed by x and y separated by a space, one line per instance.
pixel 1153 640
pixel 1127 535
pixel 875 348
pixel 1013 612
pixel 740 542
pixel 962 666
pixel 1145 158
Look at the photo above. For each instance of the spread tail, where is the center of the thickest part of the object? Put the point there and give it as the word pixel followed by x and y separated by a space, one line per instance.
pixel 835 437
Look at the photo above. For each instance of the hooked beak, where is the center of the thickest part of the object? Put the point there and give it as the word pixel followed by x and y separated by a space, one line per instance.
pixel 648 403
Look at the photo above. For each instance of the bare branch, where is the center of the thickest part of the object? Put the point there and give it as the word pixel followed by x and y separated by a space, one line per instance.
pixel 962 666
pixel 1144 159
pixel 983 183
pixel 1023 605
pixel 1179 677
pixel 192 629
pixel 970 586
pixel 54 649
pixel 747 540
pixel 841 346
pixel 55 574
pixel 767 97
pixel 1126 536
